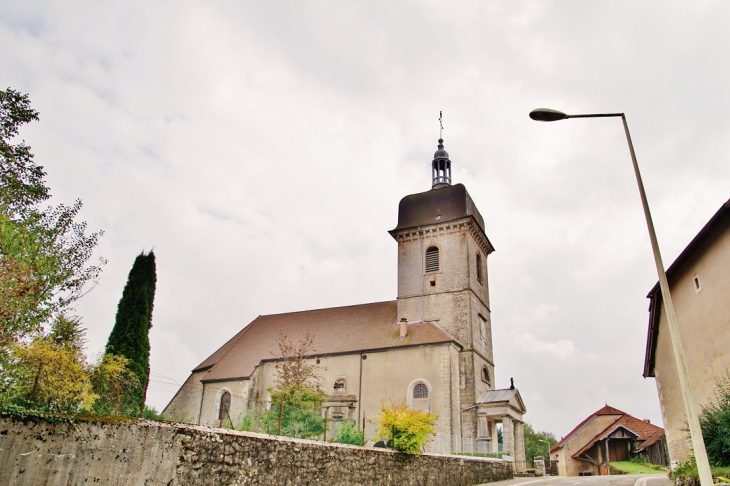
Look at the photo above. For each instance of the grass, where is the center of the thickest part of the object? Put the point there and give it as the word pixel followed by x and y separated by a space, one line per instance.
pixel 689 470
pixel 632 467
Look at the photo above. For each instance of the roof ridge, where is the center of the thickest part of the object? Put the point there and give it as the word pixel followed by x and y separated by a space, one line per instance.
pixel 326 308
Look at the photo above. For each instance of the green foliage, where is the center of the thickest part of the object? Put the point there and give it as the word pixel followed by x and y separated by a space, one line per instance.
pixel 130 335
pixel 49 373
pixel 301 415
pixel 150 413
pixel 715 423
pixel 111 379
pixel 349 433
pixel 533 446
pixel 48 376
pixel 408 428
pixel 43 250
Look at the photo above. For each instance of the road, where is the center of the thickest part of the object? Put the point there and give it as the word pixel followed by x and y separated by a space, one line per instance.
pixel 619 480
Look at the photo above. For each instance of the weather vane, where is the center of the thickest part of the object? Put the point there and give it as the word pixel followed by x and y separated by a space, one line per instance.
pixel 441 124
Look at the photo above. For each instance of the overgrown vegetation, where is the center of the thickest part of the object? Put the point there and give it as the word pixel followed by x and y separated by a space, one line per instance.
pixel 296 400
pixel 408 429
pixel 715 423
pixel 44 269
pixel 349 433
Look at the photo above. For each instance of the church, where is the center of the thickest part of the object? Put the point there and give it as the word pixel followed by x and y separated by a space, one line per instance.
pixel 431 347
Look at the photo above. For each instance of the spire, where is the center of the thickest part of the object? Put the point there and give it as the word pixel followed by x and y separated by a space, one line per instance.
pixel 441 167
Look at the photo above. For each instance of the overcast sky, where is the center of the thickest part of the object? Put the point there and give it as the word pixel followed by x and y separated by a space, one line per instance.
pixel 261 149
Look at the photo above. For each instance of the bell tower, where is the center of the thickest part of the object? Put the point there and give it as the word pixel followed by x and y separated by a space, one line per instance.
pixel 442 272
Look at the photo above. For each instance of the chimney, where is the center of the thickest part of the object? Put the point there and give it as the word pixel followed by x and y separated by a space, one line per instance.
pixel 403 328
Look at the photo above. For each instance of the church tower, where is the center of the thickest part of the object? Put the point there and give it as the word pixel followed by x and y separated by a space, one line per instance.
pixel 442 273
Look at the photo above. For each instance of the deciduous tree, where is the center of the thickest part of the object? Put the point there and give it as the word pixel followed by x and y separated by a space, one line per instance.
pixel 44 251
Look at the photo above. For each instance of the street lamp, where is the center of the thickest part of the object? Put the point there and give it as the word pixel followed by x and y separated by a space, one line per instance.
pixel 695 431
pixel 547 457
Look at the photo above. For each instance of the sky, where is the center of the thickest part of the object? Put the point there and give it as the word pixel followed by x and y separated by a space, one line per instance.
pixel 261 150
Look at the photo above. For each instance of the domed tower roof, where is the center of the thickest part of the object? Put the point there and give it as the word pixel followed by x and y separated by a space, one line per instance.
pixel 437 206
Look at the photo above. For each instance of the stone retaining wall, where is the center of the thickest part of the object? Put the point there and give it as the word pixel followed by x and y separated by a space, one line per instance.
pixel 139 452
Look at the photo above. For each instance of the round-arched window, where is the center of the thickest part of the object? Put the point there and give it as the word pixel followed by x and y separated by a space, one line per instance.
pixel 485 375
pixel 225 406
pixel 420 391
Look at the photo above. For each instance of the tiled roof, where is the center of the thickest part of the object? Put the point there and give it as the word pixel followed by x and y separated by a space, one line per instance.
pixel 336 330
pixel 607 410
pixel 641 428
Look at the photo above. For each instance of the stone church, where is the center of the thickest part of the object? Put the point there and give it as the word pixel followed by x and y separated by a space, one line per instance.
pixel 431 347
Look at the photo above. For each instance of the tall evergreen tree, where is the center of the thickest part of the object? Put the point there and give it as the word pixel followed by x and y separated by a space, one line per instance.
pixel 130 335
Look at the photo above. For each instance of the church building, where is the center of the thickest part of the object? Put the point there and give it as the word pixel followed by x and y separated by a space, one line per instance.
pixel 431 347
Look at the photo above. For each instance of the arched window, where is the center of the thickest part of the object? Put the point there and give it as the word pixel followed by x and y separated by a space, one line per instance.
pixel 420 391
pixel 479 267
pixel 225 407
pixel 432 259
pixel 485 376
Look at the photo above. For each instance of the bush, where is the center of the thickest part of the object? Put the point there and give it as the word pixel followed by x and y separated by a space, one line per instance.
pixel 349 433
pixel 715 423
pixel 406 427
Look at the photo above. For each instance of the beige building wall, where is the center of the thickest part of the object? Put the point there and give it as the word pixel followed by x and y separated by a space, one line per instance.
pixel 436 366
pixel 567 466
pixel 703 316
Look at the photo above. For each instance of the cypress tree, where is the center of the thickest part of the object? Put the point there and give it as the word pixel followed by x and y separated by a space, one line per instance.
pixel 130 335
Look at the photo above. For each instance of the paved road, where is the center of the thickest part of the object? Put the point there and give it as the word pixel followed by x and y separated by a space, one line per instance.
pixel 619 480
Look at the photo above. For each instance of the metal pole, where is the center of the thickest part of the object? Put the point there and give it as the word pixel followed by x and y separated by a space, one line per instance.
pixel 695 430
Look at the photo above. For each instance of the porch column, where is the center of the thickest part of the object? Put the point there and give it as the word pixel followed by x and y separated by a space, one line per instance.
pixel 520 460
pixel 495 437
pixel 508 437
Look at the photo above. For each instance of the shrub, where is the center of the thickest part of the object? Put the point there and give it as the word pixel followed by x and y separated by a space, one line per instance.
pixel 408 428
pixel 715 423
pixel 348 433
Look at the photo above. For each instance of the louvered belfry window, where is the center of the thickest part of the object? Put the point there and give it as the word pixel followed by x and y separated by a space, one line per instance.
pixel 432 259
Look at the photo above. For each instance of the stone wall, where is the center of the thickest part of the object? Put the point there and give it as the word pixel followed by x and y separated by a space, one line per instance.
pixel 33 451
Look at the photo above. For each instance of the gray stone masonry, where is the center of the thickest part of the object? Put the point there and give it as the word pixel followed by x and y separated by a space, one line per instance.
pixel 33 451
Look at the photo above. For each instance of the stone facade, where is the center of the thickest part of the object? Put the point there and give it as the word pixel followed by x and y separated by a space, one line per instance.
pixel 35 452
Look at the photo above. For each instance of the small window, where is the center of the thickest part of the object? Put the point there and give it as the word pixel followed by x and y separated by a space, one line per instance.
pixel 479 267
pixel 432 259
pixel 420 391
pixel 225 406
pixel 485 376
pixel 696 281
pixel 482 327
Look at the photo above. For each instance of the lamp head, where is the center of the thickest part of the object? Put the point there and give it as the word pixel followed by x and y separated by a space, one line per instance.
pixel 547 115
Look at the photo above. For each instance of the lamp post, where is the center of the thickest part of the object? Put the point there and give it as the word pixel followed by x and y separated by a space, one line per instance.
pixel 695 431
pixel 547 457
